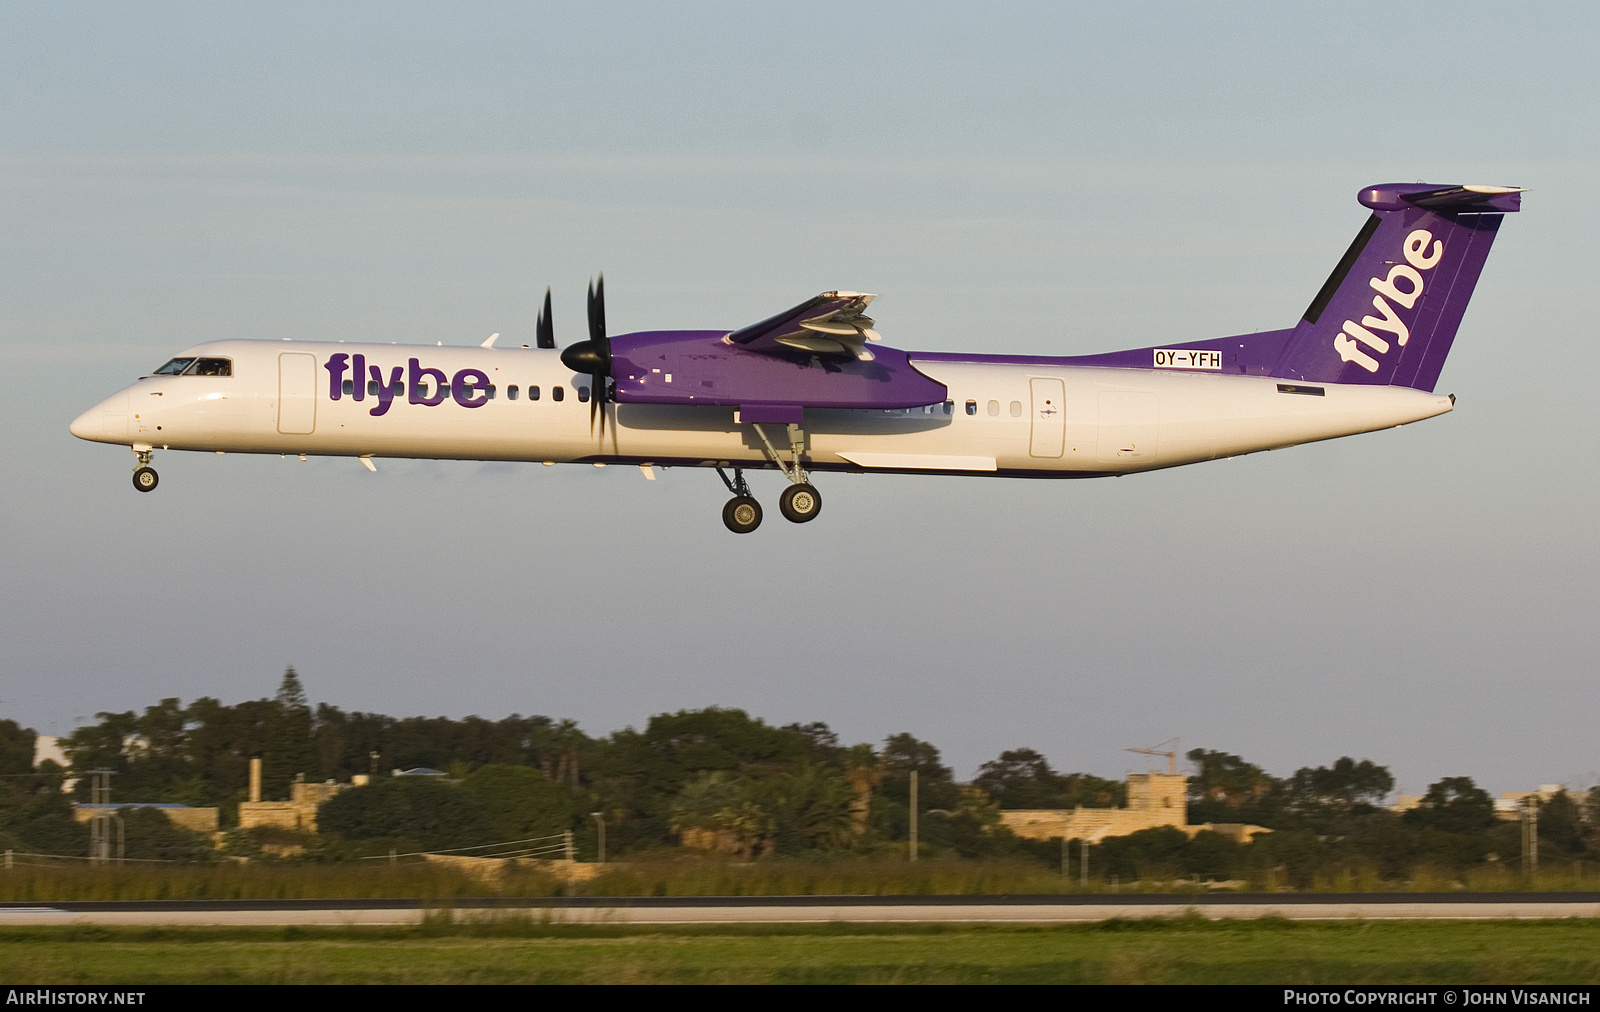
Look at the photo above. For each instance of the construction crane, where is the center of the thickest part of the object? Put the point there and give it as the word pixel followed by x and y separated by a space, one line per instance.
pixel 1172 756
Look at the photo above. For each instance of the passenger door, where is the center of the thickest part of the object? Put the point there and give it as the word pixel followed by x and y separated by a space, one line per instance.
pixel 297 393
pixel 1049 417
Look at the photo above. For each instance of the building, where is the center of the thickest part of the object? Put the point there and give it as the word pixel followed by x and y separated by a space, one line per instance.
pixel 197 820
pixel 1154 800
pixel 298 814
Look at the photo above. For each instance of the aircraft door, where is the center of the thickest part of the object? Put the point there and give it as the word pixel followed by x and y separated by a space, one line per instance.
pixel 1049 417
pixel 297 393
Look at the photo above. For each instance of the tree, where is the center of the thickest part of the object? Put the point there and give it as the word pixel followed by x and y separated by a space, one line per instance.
pixel 1454 805
pixel 150 835
pixel 519 802
pixel 436 816
pixel 1225 788
pixel 289 748
pixel 1021 778
pixel 1342 787
pixel 1561 828
pixel 16 748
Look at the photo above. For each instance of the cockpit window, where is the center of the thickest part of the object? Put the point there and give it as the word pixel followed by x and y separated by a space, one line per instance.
pixel 211 367
pixel 174 367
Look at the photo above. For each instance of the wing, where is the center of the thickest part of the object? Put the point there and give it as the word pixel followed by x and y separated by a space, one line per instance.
pixel 833 323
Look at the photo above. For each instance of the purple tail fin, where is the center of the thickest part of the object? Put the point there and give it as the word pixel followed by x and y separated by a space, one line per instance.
pixel 1390 310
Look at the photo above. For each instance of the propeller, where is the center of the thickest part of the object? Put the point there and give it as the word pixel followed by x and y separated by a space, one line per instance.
pixel 594 355
pixel 546 332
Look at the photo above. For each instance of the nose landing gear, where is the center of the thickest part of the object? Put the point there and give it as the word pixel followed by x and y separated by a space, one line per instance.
pixel 145 478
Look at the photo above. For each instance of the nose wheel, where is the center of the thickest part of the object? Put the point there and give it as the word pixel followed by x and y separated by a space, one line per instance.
pixel 145 478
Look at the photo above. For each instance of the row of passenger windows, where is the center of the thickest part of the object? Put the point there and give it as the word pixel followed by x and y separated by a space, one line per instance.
pixel 949 406
pixel 513 392
pixel 994 408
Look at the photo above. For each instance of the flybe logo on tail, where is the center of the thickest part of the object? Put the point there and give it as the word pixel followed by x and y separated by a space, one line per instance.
pixel 1403 287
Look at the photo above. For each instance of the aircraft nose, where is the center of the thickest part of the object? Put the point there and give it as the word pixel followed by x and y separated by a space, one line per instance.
pixel 87 425
pixel 106 422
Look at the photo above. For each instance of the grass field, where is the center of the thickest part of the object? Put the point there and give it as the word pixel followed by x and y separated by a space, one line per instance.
pixel 1132 952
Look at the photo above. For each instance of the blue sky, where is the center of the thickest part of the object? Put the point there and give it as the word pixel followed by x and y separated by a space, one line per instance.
pixel 1018 178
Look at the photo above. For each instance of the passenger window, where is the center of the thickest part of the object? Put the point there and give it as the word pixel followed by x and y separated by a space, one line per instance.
pixel 972 407
pixel 372 388
pixel 212 367
pixel 533 393
pixel 349 387
pixel 511 392
pixel 490 388
pixel 1016 409
pixel 173 367
pixel 583 394
pixel 994 409
pixel 949 406
pixel 556 393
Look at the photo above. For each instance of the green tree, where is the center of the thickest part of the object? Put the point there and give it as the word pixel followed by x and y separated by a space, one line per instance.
pixel 436 816
pixel 1561 828
pixel 1022 778
pixel 149 835
pixel 1225 788
pixel 519 802
pixel 1454 805
pixel 1340 788
pixel 16 748
pixel 288 747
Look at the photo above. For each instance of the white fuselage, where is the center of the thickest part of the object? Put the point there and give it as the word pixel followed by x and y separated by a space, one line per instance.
pixel 1035 419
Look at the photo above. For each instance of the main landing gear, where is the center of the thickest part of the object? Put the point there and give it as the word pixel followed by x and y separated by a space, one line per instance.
pixel 799 503
pixel 145 478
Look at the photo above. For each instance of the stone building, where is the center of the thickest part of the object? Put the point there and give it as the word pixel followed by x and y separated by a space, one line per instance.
pixel 1154 800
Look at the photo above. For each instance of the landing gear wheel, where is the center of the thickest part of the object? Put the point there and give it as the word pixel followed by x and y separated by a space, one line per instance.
pixel 145 479
pixel 800 503
pixel 742 514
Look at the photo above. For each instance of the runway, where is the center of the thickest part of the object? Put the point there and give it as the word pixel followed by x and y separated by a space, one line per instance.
pixel 648 910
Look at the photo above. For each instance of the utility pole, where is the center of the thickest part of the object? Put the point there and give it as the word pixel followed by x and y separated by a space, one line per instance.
pixel 1083 861
pixel 1530 834
pixel 100 817
pixel 600 819
pixel 913 815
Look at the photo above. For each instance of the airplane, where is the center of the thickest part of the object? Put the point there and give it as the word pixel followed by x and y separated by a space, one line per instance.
pixel 813 389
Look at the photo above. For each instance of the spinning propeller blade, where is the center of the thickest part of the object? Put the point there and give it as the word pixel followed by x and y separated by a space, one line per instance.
pixel 594 355
pixel 546 331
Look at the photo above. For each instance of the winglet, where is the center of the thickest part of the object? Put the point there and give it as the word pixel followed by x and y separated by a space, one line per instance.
pixel 490 343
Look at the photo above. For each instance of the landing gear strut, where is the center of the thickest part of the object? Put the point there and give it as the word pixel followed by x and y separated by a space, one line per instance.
pixel 145 478
pixel 800 502
pixel 742 513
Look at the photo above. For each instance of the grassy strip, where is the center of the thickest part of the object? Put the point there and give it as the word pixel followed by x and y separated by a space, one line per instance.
pixel 668 876
pixel 1172 951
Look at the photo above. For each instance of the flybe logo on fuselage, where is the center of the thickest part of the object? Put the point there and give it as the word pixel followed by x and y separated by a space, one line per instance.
pixel 427 387
pixel 1403 286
